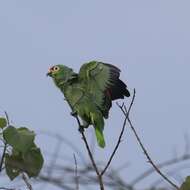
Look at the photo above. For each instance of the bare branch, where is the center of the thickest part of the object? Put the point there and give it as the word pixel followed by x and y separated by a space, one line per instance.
pixel 171 172
pixel 120 136
pixel 81 130
pixel 112 179
pixel 54 157
pixel 66 142
pixel 124 110
pixel 5 145
pixel 7 118
pixel 29 186
pixel 2 157
pixel 149 158
pixel 55 182
pixel 76 173
pixel 93 161
pixel 161 165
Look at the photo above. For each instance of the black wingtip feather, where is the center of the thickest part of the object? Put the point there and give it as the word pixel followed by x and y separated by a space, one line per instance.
pixel 127 93
pixel 119 90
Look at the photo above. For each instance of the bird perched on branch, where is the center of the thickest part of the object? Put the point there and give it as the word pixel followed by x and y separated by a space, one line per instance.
pixel 90 92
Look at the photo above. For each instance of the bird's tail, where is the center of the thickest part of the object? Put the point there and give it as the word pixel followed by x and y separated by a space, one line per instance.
pixel 98 123
pixel 100 137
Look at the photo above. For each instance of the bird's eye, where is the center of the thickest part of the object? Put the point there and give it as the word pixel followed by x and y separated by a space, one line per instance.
pixel 55 68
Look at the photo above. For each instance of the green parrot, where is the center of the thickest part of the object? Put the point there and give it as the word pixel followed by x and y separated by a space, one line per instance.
pixel 90 92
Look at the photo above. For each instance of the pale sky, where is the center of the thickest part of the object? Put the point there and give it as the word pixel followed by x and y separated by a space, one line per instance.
pixel 148 40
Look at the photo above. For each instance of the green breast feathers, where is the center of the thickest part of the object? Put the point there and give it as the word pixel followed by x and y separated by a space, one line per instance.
pixel 90 92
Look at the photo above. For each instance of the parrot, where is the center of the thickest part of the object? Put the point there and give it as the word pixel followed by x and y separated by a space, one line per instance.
pixel 90 92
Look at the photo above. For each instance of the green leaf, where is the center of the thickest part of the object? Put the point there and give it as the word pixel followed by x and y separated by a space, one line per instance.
pixel 12 166
pixel 21 139
pixel 186 184
pixel 31 163
pixel 3 122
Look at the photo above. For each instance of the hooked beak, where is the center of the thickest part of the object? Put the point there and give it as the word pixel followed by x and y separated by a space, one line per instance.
pixel 49 74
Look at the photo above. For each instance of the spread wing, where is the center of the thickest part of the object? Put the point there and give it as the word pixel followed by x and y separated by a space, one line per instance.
pixel 101 81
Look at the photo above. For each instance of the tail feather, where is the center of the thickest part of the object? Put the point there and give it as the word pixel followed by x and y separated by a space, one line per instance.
pixel 100 137
pixel 98 123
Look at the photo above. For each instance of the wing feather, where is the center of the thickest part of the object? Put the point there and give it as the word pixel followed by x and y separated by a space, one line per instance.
pixel 101 81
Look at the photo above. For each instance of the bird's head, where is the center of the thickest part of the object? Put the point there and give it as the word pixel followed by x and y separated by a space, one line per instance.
pixel 61 73
pixel 55 71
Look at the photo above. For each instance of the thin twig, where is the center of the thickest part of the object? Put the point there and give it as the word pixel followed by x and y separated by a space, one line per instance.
pixel 149 158
pixel 76 173
pixel 172 172
pixel 5 145
pixel 54 157
pixel 187 143
pixel 7 118
pixel 120 136
pixel 93 161
pixel 29 186
pixel 124 110
pixel 88 148
pixel 3 156
pixel 161 165
pixel 55 182
pixel 67 142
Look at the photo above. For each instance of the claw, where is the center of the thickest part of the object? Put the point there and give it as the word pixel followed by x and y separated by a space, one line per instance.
pixel 74 113
pixel 81 128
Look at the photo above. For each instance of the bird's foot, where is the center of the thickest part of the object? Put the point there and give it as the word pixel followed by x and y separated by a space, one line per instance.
pixel 74 113
pixel 81 128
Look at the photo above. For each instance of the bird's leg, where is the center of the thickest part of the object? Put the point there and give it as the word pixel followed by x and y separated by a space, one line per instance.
pixel 81 128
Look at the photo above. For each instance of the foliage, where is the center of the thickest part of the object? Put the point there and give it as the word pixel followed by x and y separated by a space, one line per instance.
pixel 3 122
pixel 186 184
pixel 21 154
